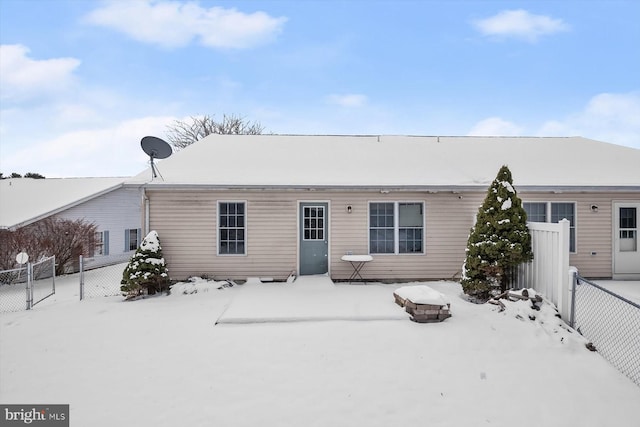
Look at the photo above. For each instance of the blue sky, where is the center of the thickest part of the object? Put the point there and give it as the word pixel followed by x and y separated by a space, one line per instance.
pixel 81 82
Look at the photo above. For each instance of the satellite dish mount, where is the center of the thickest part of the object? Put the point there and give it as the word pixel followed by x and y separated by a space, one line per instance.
pixel 155 148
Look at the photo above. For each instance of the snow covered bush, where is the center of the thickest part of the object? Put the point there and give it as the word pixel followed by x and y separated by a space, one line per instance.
pixel 499 240
pixel 146 271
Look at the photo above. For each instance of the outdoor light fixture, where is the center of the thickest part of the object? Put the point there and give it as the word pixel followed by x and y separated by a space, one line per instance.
pixel 594 208
pixel 349 209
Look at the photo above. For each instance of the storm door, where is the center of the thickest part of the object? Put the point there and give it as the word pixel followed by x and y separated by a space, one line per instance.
pixel 626 253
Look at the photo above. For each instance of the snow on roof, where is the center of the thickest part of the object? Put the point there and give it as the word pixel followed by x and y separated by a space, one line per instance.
pixel 396 161
pixel 26 200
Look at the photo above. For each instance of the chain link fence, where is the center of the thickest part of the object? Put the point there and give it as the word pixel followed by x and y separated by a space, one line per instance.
pixel 22 288
pixel 100 282
pixel 43 279
pixel 611 322
pixel 13 290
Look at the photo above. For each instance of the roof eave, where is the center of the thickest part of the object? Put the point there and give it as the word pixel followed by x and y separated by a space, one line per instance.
pixel 395 188
pixel 47 214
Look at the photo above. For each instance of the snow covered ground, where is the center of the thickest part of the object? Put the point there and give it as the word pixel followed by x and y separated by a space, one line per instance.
pixel 278 357
pixel 629 289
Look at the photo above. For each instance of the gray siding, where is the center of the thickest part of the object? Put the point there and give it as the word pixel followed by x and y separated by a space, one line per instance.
pixel 186 221
pixel 115 212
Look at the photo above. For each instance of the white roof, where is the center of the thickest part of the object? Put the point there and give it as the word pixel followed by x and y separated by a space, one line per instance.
pixel 26 200
pixel 262 161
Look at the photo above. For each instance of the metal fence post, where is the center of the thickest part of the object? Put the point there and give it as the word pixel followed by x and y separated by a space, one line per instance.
pixel 81 265
pixel 29 287
pixel 574 282
pixel 53 275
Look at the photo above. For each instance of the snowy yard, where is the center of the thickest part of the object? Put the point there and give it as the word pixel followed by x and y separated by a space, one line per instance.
pixel 629 289
pixel 308 353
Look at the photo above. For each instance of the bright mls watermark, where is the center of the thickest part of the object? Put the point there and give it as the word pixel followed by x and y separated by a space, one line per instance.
pixel 34 415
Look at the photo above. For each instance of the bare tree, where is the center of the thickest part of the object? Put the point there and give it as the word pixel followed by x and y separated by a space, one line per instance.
pixel 184 133
pixel 64 238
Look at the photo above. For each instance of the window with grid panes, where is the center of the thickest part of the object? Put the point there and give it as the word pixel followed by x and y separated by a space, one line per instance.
pixel 410 228
pixel 628 230
pixel 313 223
pixel 536 212
pixel 396 227
pixel 553 212
pixel 231 228
pixel 561 211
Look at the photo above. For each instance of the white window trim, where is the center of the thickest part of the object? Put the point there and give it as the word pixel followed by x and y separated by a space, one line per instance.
pixel 396 228
pixel 246 228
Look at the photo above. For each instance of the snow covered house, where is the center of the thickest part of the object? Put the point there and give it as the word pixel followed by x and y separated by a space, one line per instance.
pixel 105 202
pixel 232 206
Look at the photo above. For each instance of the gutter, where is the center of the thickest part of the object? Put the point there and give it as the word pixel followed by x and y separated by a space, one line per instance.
pixel 397 188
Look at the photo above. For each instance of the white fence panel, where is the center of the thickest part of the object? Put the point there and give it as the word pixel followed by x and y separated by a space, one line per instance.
pixel 548 273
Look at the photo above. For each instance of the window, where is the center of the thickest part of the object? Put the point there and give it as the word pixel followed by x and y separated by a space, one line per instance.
pixel 396 228
pixel 231 228
pixel 628 230
pixel 554 212
pixel 536 212
pixel 132 239
pixel 381 228
pixel 313 223
pixel 560 211
pixel 102 243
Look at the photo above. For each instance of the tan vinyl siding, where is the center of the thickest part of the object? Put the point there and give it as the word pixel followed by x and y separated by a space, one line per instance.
pixel 448 220
pixel 187 224
pixel 186 221
pixel 594 229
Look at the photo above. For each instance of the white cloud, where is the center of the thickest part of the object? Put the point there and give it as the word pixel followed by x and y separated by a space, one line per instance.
pixel 608 117
pixel 495 126
pixel 174 24
pixel 347 100
pixel 520 24
pixel 22 77
pixel 107 151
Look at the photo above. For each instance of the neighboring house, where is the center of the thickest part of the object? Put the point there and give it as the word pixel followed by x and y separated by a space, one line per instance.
pixel 105 202
pixel 232 206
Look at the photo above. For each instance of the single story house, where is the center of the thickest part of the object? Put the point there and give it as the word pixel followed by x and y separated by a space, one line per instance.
pixel 105 202
pixel 232 206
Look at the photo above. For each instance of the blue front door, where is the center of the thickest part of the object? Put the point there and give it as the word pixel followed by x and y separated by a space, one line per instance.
pixel 314 241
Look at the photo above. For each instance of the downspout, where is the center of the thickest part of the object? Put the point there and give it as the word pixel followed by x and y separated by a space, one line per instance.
pixel 145 202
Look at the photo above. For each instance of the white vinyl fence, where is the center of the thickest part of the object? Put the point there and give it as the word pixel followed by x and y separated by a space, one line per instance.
pixel 548 273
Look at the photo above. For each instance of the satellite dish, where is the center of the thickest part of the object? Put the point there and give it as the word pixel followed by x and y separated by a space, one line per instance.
pixel 155 148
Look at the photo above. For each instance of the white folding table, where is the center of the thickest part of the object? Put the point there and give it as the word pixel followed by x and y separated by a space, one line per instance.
pixel 357 262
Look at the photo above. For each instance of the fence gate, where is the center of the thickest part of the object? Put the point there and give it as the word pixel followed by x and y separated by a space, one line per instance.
pixel 42 281
pixel 24 287
pixel 611 322
pixel 12 290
